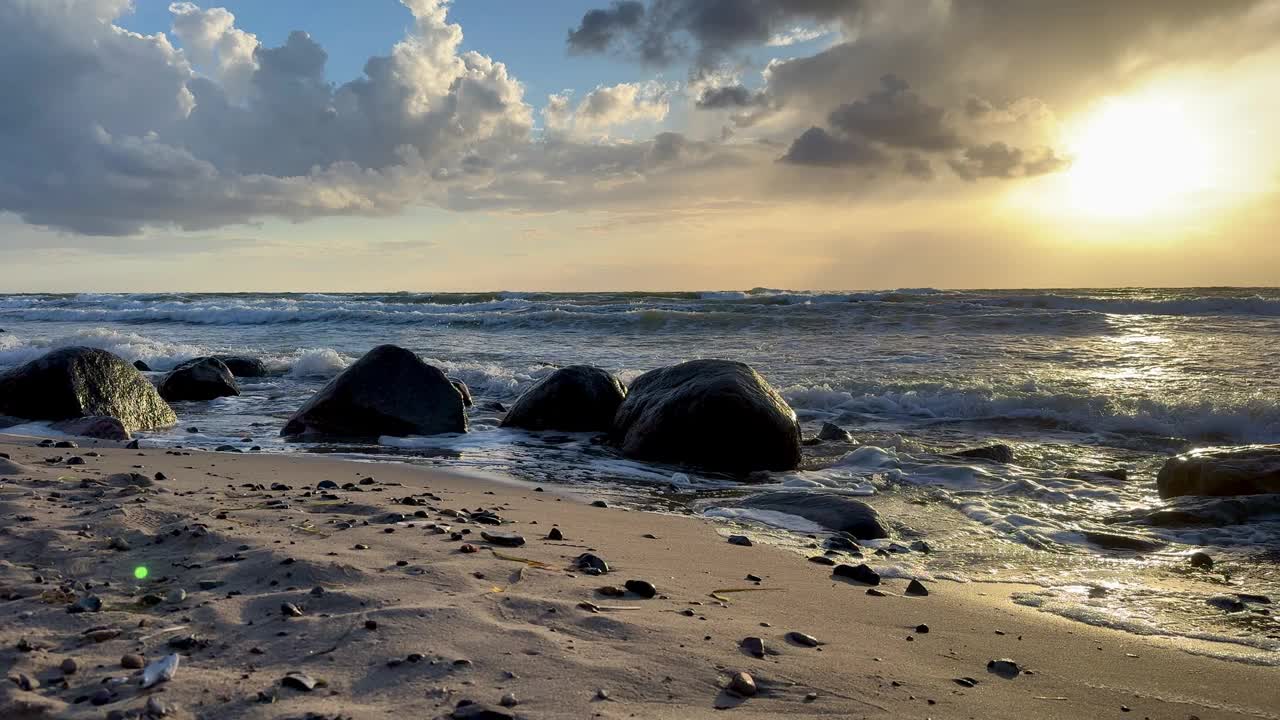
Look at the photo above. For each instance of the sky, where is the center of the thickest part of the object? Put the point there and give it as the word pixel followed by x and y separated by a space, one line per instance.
pixel 297 145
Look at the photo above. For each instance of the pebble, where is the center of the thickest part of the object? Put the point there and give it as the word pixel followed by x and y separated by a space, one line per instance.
pixel 133 662
pixel 858 573
pixel 611 591
pixel 290 610
pixel 176 595
pixel 822 560
pixel 643 588
pixel 742 540
pixel 754 646
pixel 917 588
pixel 370 624
pixel 592 564
pixel 555 534
pixel 118 543
pixel 922 628
pixel 800 638
pixel 100 698
pixel 69 666
pixel 503 539
pixel 600 504
pixel 1004 668
pixel 468 548
pixel 509 700
pixel 741 683
pixel 155 707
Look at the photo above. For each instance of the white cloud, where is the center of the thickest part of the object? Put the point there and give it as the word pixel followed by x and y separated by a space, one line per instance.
pixel 606 108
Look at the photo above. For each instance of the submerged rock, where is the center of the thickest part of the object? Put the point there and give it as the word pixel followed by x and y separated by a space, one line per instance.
pixel 241 366
pixel 577 398
pixel 840 513
pixel 1116 541
pixel 1250 470
pixel 1000 453
pixel 1194 511
pixel 718 415
pixel 199 379
pixel 389 391
pixel 80 382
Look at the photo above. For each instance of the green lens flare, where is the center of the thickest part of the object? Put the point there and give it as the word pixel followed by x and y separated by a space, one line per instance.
pixel 141 572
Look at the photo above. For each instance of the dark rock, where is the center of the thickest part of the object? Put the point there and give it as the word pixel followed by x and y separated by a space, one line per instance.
pixel 1194 511
pixel 1226 603
pixel 504 539
pixel 741 683
pixel 1250 598
pixel 228 448
pixel 1004 668
pixel 822 560
pixel 241 366
pixel 1201 559
pixel 75 460
pixel 917 588
pixel 467 710
pixel 88 603
pixel 1116 541
pixel 643 588
pixel 800 638
pixel 966 682
pixel 133 445
pixel 592 564
pixel 1251 470
pixel 742 540
pixel 133 662
pixel 97 427
pixel 141 366
pixel 578 398
pixel 555 534
pixel 830 432
pixel 389 391
pixel 837 512
pixel 1002 454
pixel 80 382
pixel 599 504
pixel 290 610
pixel 754 646
pixel 299 681
pixel 464 391
pixel 69 666
pixel 922 629
pixel 714 414
pixel 858 573
pixel 199 379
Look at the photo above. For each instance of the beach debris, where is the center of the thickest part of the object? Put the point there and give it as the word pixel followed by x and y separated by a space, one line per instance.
pixel 718 594
pixel 88 603
pixel 754 646
pixel 916 588
pixel 592 564
pixel 965 682
pixel 742 540
pixel 1004 668
pixel 643 588
pixel 531 563
pixel 741 683
pixel 133 661
pixel 161 670
pixel 800 638
pixel 858 573
pixel 503 539
pixel 299 681
pixel 102 634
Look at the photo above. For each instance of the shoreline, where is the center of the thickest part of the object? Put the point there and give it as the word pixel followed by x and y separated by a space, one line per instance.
pixel 518 619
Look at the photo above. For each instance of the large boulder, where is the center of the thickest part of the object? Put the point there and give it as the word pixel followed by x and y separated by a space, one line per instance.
pixel 243 367
pixel 389 391
pixel 203 378
pixel 98 427
pixel 577 398
pixel 1248 470
pixel 78 382
pixel 717 415
pixel 839 513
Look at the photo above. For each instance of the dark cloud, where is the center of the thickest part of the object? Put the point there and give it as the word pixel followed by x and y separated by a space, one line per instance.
pixel 729 96
pixel 820 148
pixel 998 160
pixel 896 116
pixel 917 166
pixel 707 29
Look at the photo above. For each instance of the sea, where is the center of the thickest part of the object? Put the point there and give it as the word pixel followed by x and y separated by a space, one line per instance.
pixel 1075 381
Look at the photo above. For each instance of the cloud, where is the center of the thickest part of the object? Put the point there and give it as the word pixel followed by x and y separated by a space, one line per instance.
pixel 896 116
pixel 729 96
pixel 604 108
pixel 998 160
pixel 818 147
pixel 599 27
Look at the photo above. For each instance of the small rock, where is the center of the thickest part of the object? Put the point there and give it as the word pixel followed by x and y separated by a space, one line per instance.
pixel 370 624
pixel 600 504
pixel 504 539
pixel 741 683
pixel 65 444
pixel 290 610
pixel 800 638
pixel 467 710
pixel 1201 559
pixel 118 543
pixel 754 646
pixel 965 682
pixel 298 681
pixel 1004 668
pixel 858 573
pixel 555 534
pixel 100 698
pixel 161 670
pixel 133 662
pixel 69 666
pixel 822 560
pixel 592 564
pixel 922 628
pixel 643 588
pixel 1226 603
pixel 155 707
pixel 468 548
pixel 831 432
pixel 611 591
pixel 742 540
pixel 509 700
pixel 26 682
pixel 917 588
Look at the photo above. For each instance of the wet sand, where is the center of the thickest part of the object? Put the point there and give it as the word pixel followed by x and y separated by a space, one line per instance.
pixel 408 625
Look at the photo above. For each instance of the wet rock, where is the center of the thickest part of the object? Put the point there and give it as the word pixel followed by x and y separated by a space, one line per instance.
pixel 754 646
pixel 141 366
pixel 714 414
pixel 199 379
pixel 916 588
pixel 857 573
pixel 800 638
pixel 577 398
pixel 1004 668
pixel 133 662
pixel 643 588
pixel 463 391
pixel 921 546
pixel 80 382
pixel 97 427
pixel 592 564
pixel 290 610
pixel 389 391
pixel 741 683
pixel 69 666
pixel 504 539
pixel 119 544
pixel 742 540
pixel 822 560
pixel 88 603
pixel 555 534
pixel 298 681
pixel 509 700
pixel 999 453
pixel 102 634
pixel 830 432
pixel 1200 559
pixel 1226 603
pixel 1250 470
pixel 1191 511
pixel 242 366
pixel 1117 541
pixel 840 513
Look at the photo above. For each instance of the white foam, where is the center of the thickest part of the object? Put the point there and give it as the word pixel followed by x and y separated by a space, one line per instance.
pixel 319 362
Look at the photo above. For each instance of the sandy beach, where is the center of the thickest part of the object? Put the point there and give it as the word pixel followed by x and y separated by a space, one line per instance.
pixel 255 573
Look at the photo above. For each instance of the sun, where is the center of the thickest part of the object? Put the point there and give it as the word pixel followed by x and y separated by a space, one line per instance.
pixel 1141 158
